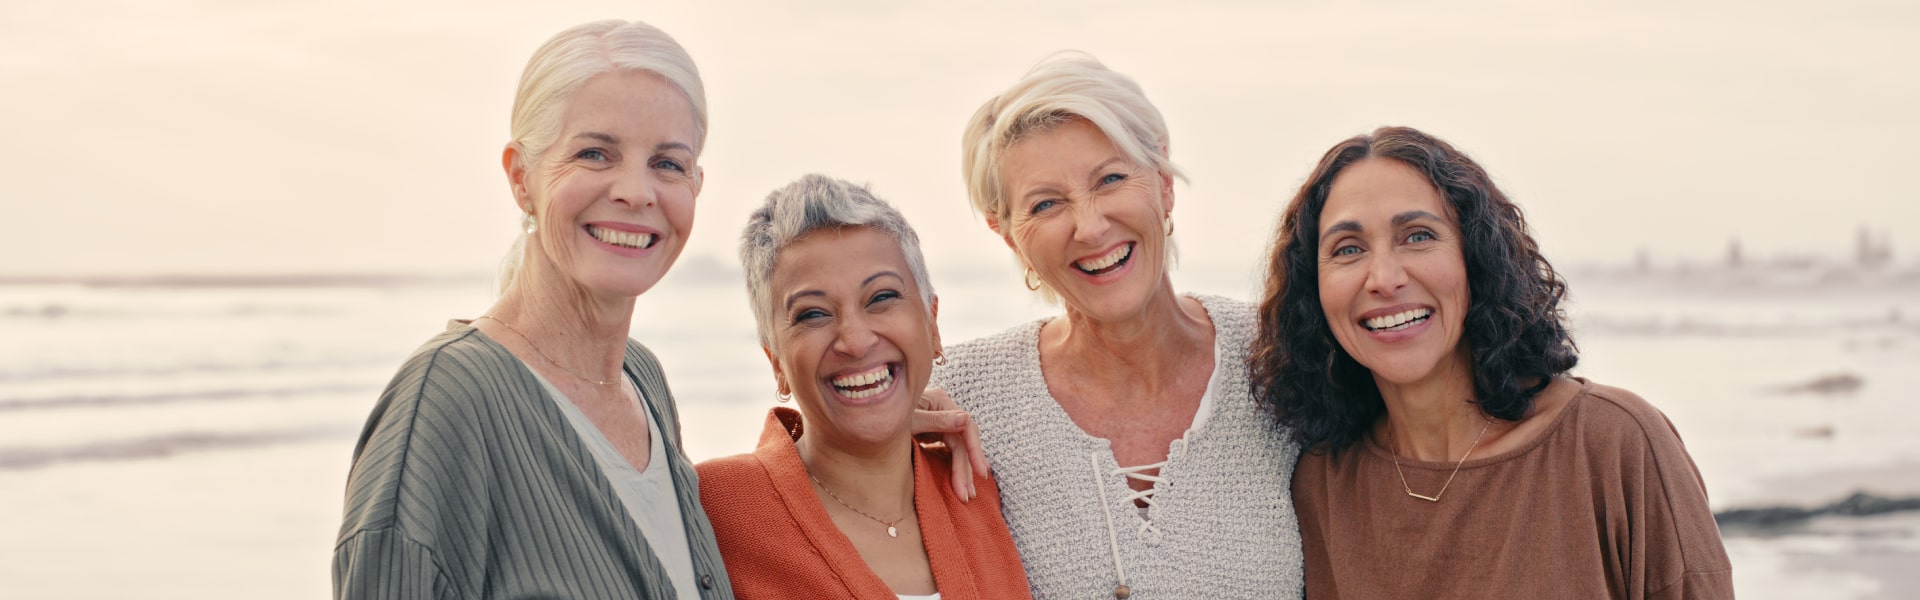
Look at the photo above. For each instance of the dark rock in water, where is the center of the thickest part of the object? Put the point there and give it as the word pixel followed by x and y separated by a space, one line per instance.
pixel 1860 504
pixel 1837 383
pixel 1764 517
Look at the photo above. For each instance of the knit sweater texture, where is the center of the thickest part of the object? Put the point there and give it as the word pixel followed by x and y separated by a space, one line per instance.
pixel 779 541
pixel 1222 525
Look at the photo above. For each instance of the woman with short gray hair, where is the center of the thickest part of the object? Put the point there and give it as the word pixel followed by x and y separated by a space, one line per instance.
pixel 838 501
pixel 1131 455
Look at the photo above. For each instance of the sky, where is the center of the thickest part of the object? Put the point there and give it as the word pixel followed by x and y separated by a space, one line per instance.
pixel 262 137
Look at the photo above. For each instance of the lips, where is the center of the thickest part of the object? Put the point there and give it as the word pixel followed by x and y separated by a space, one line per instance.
pixel 1106 263
pixel 625 239
pixel 865 384
pixel 1397 321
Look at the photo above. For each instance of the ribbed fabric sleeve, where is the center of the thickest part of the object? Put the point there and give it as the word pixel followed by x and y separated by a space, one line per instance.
pixel 1223 521
pixel 468 482
pixel 1604 504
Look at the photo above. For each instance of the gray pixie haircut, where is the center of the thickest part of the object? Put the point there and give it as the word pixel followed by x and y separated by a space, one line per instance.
pixel 812 203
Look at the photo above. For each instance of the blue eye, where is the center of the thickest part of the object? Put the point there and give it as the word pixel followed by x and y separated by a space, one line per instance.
pixel 1347 250
pixel 670 164
pixel 1042 205
pixel 591 154
pixel 1421 236
pixel 1112 178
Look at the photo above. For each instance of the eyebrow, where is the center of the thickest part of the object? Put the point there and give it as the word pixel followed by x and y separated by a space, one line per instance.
pixel 1093 173
pixel 611 139
pixel 863 283
pixel 1399 220
pixel 1414 215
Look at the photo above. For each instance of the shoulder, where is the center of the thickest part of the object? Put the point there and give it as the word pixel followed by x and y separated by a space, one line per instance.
pixel 995 348
pixel 1618 415
pixel 740 472
pixel 989 363
pixel 1233 319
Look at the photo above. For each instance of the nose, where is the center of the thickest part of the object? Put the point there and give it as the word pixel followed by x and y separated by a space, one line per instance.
pixel 854 337
pixel 1385 274
pixel 1089 221
pixel 635 186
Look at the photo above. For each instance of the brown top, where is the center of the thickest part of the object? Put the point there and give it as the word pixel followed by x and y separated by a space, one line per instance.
pixel 1604 504
pixel 779 542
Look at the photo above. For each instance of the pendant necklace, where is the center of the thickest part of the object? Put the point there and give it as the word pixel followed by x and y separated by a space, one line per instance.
pixel 1403 475
pixel 891 530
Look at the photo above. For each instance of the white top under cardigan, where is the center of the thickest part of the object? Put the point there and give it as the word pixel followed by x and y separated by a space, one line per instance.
pixel 1222 520
pixel 648 495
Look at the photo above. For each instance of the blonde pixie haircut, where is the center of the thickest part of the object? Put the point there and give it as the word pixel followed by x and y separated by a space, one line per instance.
pixel 1063 87
pixel 571 58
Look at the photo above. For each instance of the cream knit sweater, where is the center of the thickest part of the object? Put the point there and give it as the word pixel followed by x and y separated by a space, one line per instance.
pixel 1223 523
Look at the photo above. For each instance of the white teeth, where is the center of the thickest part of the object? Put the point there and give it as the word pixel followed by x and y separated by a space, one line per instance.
pixel 621 238
pixel 879 378
pixel 1117 255
pixel 1400 320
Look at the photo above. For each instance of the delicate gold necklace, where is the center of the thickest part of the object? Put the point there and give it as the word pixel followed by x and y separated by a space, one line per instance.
pixel 891 530
pixel 1456 466
pixel 543 353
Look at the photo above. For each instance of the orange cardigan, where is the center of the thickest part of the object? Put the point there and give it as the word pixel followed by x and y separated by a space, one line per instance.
pixel 778 541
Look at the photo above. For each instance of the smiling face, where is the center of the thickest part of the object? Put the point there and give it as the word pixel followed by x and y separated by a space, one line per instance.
pixel 1089 222
pixel 1393 280
pixel 613 196
pixel 852 339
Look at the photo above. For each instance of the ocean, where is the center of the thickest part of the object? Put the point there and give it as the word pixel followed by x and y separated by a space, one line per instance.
pixel 190 437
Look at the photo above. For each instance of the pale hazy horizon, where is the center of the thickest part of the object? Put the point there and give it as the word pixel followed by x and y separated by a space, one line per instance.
pixel 218 137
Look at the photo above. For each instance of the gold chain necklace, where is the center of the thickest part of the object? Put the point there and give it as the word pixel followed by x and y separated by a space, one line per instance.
pixel 891 530
pixel 543 353
pixel 1456 466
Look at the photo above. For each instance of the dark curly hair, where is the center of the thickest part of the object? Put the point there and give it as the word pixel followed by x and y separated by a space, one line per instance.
pixel 1515 328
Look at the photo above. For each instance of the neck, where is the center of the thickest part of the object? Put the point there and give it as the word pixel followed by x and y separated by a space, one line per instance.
pixel 585 331
pixel 1149 347
pixel 877 478
pixel 1433 419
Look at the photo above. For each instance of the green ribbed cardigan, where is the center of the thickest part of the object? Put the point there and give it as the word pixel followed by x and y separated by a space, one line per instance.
pixel 468 482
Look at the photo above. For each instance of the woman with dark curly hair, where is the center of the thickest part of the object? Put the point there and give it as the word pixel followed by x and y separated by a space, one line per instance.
pixel 1412 337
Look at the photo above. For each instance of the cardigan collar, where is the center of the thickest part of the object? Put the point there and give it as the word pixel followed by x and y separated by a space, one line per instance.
pixel 931 495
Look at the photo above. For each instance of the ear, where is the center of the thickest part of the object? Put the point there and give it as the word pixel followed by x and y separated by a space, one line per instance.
pixel 779 378
pixel 699 179
pixel 933 323
pixel 1166 193
pixel 513 161
pixel 1005 236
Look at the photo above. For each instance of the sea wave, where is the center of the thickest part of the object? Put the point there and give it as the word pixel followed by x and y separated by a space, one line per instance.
pixel 214 395
pixel 273 366
pixel 162 446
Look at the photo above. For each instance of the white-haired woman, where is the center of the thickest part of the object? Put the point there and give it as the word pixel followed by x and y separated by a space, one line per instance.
pixel 535 452
pixel 1131 455
pixel 838 501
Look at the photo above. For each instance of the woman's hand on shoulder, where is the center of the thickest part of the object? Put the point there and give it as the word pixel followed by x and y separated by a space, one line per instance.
pixel 939 422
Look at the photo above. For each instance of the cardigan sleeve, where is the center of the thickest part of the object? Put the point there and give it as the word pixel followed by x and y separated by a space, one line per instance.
pixel 381 564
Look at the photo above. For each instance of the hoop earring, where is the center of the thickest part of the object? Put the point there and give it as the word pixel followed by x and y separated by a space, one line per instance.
pixel 529 224
pixel 1032 280
pixel 1169 225
pixel 940 358
pixel 781 393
